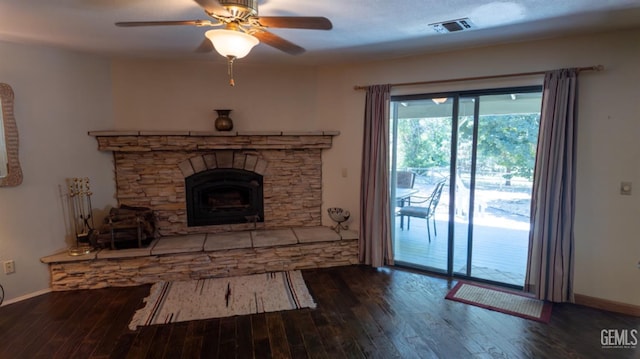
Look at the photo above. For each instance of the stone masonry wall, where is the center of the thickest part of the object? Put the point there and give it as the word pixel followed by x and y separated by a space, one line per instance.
pixel 122 272
pixel 150 171
pixel 292 185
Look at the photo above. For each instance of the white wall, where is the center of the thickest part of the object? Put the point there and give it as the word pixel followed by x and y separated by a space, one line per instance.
pixel 59 96
pixel 175 95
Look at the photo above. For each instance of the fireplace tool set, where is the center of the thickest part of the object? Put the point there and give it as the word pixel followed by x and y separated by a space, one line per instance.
pixel 81 212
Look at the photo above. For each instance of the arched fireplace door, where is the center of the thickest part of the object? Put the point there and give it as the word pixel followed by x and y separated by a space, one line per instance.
pixel 224 196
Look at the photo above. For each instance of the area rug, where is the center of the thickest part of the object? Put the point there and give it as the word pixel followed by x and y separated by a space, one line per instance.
pixel 170 302
pixel 504 301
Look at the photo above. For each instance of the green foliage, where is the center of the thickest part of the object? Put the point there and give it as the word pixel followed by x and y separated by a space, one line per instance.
pixel 506 143
pixel 424 143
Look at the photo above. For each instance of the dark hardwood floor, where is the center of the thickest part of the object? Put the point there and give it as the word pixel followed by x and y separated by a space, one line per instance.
pixel 362 313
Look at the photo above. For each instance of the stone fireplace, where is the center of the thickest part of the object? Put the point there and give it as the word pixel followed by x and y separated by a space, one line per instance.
pixel 230 234
pixel 158 170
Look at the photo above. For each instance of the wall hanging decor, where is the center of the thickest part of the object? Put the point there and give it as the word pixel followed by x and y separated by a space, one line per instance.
pixel 10 170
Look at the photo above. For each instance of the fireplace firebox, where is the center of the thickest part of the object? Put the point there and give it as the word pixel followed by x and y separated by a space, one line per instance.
pixel 224 196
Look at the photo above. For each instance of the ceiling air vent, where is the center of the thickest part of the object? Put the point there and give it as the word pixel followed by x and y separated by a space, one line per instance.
pixel 453 25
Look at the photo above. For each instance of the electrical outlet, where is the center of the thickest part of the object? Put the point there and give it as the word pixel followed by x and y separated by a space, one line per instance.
pixel 9 267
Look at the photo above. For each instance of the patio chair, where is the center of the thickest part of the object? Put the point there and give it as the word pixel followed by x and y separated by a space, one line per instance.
pixel 426 211
pixel 405 179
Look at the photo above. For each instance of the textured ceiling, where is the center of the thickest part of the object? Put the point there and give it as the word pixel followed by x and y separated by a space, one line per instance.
pixel 363 29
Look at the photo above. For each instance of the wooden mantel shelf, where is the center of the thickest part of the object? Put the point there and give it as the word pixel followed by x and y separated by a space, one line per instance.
pixel 144 141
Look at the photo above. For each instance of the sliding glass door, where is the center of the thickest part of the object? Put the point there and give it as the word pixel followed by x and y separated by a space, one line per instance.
pixel 481 147
pixel 422 153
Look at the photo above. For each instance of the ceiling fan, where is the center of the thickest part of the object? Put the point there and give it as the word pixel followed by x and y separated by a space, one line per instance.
pixel 241 28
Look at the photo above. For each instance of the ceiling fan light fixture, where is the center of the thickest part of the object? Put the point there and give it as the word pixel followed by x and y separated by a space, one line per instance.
pixel 231 43
pixel 242 9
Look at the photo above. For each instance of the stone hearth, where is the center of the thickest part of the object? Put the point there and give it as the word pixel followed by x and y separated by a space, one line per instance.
pixel 198 256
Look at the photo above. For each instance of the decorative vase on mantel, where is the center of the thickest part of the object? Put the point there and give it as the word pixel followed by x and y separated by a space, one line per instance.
pixel 223 121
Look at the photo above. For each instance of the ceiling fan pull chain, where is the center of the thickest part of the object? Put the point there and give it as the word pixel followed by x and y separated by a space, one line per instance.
pixel 230 70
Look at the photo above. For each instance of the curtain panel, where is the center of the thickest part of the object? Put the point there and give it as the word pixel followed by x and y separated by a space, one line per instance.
pixel 375 245
pixel 551 241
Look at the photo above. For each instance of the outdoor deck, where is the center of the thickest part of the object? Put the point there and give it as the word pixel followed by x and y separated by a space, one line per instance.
pixel 500 245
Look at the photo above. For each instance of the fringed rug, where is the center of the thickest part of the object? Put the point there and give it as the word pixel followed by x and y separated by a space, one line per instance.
pixel 513 303
pixel 170 302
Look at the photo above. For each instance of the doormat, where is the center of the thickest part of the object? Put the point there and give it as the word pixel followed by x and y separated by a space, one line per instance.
pixel 170 302
pixel 504 301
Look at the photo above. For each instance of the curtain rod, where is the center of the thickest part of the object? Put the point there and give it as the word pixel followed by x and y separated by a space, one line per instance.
pixel 589 68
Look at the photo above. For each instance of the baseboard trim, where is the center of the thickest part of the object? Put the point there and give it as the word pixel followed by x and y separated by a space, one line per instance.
pixel 608 305
pixel 26 296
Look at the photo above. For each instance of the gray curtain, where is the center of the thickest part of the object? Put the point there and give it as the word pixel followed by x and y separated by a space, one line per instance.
pixel 551 240
pixel 375 244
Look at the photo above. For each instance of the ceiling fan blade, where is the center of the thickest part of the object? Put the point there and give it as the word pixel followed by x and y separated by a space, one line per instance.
pixel 213 6
pixel 296 22
pixel 162 23
pixel 205 46
pixel 279 43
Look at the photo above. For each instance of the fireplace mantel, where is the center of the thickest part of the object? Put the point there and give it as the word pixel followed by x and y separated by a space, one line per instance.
pixel 145 141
